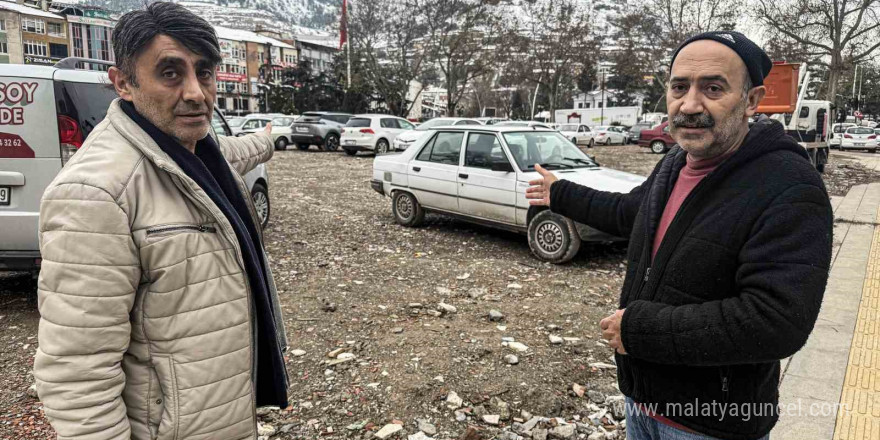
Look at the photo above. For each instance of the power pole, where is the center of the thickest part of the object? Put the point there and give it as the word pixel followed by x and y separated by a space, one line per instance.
pixel 602 112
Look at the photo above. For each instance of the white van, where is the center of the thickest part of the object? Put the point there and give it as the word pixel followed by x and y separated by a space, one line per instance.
pixel 46 113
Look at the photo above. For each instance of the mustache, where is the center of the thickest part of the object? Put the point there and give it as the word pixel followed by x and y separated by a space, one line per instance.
pixel 702 120
pixel 188 110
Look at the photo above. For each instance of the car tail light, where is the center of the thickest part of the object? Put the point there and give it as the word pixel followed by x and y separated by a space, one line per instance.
pixel 70 137
pixel 873 136
pixel 846 136
pixel 342 131
pixel 368 131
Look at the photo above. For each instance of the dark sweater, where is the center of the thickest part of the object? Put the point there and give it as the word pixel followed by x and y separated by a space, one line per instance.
pixel 210 170
pixel 735 286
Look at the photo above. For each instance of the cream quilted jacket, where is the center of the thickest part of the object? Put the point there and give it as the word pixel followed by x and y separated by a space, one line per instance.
pixel 145 329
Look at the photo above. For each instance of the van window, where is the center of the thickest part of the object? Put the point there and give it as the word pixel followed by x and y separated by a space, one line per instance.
pixel 805 112
pixel 86 103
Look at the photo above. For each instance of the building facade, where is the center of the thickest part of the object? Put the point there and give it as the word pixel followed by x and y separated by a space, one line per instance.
pixel 251 64
pixel 91 32
pixel 38 36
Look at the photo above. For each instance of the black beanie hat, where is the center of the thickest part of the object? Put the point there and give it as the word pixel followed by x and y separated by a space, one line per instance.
pixel 757 61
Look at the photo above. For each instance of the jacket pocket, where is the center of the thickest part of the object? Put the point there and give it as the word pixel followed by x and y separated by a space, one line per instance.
pixel 178 228
pixel 167 406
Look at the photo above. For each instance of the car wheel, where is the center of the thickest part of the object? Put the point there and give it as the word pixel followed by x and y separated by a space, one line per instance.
pixel 350 152
pixel 302 147
pixel 331 143
pixel 574 141
pixel 592 142
pixel 407 210
pixel 553 237
pixel 281 143
pixel 658 147
pixel 381 147
pixel 261 203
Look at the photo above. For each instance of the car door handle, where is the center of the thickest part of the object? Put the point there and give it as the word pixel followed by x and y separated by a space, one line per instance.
pixel 463 176
pixel 417 169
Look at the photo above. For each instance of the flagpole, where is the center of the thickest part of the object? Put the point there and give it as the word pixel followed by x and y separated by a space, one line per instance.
pixel 348 62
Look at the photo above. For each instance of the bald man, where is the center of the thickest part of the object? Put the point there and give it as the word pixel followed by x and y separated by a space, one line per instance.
pixel 729 252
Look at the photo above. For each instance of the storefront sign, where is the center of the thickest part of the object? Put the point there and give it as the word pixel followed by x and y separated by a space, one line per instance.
pixel 235 77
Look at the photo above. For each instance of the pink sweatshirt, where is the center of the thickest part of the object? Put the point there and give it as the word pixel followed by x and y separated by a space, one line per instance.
pixel 688 178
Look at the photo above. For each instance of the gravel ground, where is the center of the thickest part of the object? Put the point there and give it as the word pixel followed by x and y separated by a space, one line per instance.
pixel 404 314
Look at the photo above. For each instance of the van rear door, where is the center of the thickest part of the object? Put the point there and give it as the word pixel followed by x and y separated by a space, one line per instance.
pixel 29 160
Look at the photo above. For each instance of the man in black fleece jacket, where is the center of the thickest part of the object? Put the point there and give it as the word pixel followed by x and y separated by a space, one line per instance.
pixel 730 247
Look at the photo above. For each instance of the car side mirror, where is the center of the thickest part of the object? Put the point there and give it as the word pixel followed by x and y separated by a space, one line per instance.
pixel 502 165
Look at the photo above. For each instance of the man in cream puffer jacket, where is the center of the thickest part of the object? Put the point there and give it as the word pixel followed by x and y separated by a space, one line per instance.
pixel 149 316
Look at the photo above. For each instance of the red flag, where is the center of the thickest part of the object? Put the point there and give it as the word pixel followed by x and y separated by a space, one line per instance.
pixel 343 25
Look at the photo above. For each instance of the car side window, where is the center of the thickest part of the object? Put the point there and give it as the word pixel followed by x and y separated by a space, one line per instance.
pixel 388 123
pixel 250 124
pixel 666 129
pixel 220 128
pixel 444 148
pixel 482 149
pixel 405 124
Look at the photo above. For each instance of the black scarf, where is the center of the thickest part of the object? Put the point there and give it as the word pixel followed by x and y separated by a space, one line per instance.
pixel 209 169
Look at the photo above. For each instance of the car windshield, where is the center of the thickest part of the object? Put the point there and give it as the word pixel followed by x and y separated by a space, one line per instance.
pixel 513 124
pixel 235 122
pixel 358 122
pixel 547 148
pixel 437 122
pixel 603 127
pixel 281 121
pixel 568 127
pixel 860 131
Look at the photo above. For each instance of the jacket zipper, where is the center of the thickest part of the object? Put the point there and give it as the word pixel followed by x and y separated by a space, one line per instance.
pixel 725 382
pixel 240 261
pixel 197 228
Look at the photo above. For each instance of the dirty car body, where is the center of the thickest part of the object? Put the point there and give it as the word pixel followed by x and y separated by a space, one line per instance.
pixel 480 174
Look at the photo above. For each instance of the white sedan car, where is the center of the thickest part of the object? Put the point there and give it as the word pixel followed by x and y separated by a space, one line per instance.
pixel 578 134
pixel 372 133
pixel 480 174
pixel 607 135
pixel 405 139
pixel 859 138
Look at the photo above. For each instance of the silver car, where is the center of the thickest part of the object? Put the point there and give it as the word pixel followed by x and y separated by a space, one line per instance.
pixel 47 115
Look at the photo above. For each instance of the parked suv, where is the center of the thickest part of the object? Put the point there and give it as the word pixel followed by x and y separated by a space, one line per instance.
pixel 319 128
pixel 45 116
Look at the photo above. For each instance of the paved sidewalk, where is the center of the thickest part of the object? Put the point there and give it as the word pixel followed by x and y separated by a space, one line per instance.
pixel 831 388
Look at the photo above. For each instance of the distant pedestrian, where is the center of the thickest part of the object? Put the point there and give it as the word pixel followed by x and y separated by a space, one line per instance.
pixel 159 316
pixel 730 247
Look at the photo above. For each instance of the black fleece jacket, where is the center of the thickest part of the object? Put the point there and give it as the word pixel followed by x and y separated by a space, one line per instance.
pixel 735 286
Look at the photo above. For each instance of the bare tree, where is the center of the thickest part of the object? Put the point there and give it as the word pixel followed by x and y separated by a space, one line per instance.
pixel 388 37
pixel 464 36
pixel 834 33
pixel 648 31
pixel 554 41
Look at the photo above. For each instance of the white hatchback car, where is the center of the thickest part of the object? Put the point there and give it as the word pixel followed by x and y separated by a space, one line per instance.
pixel 372 133
pixel 859 138
pixel 480 174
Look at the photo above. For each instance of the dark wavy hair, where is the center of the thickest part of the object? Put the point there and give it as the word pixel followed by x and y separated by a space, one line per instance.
pixel 136 29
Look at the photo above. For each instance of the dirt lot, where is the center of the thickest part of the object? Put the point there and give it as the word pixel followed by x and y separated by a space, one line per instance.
pixel 351 279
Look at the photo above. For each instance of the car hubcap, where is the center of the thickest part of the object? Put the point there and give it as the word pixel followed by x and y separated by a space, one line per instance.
pixel 658 147
pixel 549 236
pixel 332 143
pixel 383 147
pixel 404 207
pixel 261 204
